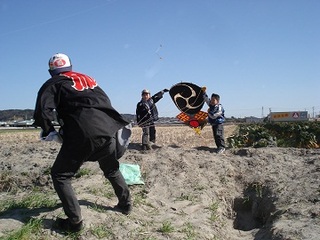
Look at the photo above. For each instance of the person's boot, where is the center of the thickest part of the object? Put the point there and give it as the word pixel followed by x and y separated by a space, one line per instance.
pixel 126 210
pixel 146 147
pixel 67 226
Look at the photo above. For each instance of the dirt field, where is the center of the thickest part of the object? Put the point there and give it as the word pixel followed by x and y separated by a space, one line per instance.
pixel 190 192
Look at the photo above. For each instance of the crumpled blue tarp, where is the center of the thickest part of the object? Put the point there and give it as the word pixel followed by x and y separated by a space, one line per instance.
pixel 131 173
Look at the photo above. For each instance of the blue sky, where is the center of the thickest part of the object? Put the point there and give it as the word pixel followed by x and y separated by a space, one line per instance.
pixel 258 55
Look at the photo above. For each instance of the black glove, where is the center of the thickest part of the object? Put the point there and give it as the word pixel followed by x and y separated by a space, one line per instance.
pixel 165 90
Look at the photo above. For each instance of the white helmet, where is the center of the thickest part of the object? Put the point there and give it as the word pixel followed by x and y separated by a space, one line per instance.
pixel 59 63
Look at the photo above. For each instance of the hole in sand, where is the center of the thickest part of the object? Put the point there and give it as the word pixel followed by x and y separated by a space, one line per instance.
pixel 254 209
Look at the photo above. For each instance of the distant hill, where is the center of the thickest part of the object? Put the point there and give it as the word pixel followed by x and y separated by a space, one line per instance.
pixel 12 115
pixel 26 114
pixel 15 114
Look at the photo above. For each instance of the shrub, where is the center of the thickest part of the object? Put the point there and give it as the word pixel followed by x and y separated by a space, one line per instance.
pixel 283 134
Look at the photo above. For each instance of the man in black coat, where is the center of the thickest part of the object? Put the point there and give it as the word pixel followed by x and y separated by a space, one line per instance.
pixel 88 130
pixel 147 114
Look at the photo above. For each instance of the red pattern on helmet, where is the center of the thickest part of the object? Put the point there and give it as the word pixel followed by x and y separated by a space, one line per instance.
pixel 58 63
pixel 81 81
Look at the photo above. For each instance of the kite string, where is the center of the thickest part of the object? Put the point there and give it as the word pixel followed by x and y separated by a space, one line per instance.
pixel 149 120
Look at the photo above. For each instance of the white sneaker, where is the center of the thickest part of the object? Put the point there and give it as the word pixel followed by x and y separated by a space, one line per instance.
pixel 221 150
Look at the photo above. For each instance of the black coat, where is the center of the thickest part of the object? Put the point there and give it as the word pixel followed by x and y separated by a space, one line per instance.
pixel 83 108
pixel 147 112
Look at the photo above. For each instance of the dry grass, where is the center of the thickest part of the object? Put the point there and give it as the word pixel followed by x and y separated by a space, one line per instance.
pixel 189 193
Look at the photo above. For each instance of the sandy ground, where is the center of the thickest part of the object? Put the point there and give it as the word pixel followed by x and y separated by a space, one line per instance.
pixel 190 192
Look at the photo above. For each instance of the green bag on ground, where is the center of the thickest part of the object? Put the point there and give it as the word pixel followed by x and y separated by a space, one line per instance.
pixel 131 173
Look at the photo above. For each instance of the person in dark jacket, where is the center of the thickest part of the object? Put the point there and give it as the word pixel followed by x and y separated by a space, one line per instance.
pixel 216 119
pixel 147 114
pixel 89 126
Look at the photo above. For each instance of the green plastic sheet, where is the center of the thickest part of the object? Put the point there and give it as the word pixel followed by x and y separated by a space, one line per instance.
pixel 131 173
